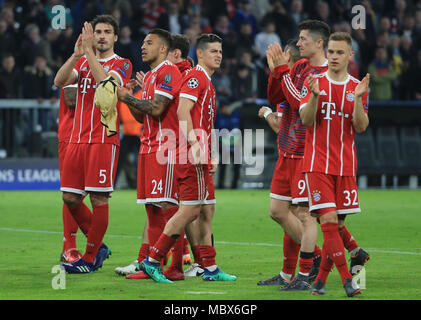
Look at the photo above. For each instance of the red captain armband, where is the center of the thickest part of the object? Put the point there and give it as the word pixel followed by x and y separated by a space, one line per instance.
pixel 280 71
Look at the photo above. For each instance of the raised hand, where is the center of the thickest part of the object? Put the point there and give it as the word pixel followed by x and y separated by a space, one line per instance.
pixel 362 87
pixel 140 76
pixel 87 37
pixel 278 56
pixel 78 50
pixel 313 84
pixel 262 111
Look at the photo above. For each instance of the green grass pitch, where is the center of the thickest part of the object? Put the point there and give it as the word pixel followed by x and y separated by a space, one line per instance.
pixel 248 244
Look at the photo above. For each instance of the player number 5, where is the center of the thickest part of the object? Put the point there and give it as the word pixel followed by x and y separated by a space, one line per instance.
pixel 348 198
pixel 102 175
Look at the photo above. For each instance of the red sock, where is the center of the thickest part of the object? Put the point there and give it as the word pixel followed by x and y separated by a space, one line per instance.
pixel 306 262
pixel 347 238
pixel 335 248
pixel 161 247
pixel 82 215
pixel 325 267
pixel 177 254
pixel 186 247
pixel 291 250
pixel 207 255
pixel 69 229
pixel 196 255
pixel 99 224
pixel 157 221
pixel 143 252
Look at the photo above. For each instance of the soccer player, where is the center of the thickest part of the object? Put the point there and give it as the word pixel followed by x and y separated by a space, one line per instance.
pixel 196 113
pixel 289 206
pixel 157 109
pixel 67 106
pixel 333 108
pixel 91 156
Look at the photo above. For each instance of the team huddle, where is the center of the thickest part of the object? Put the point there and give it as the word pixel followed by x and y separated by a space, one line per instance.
pixel 320 108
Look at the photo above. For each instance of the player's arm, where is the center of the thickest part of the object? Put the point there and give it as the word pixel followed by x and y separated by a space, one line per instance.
pixel 359 116
pixel 308 108
pixel 184 116
pixel 271 118
pixel 70 94
pixel 274 90
pixel 98 72
pixel 65 74
pixel 154 108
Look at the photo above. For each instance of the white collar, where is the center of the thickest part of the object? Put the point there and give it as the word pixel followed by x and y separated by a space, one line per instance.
pixel 204 70
pixel 107 59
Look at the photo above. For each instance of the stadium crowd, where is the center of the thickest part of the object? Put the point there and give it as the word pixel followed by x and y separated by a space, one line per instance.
pixel 389 48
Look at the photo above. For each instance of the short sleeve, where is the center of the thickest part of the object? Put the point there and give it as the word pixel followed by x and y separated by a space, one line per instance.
pixel 123 70
pixel 76 68
pixel 168 82
pixel 191 87
pixel 305 94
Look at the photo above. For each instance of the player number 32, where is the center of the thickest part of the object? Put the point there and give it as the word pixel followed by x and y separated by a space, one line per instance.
pixel 348 195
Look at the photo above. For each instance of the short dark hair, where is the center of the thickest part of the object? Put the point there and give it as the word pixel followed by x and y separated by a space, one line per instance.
pixel 204 39
pixel 181 42
pixel 293 49
pixel 164 35
pixel 318 30
pixel 106 18
pixel 341 36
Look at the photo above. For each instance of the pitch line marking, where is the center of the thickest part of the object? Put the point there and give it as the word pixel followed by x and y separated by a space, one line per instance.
pixel 203 292
pixel 217 242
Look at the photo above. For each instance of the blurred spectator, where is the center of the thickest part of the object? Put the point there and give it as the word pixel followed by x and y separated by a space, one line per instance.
pixel 85 11
pixel 242 15
pixel 408 26
pixel 265 38
pixel 222 84
pixel 10 78
pixel 297 12
pixel 150 13
pixel 62 48
pixel 245 40
pixel 7 38
pixel 286 28
pixel 124 6
pixel 38 80
pixel 323 12
pixel 33 45
pixel 229 37
pixel 34 14
pixel 259 8
pixel 413 79
pixel 37 83
pixel 382 74
pixel 192 34
pixel 242 83
pixel 171 20
pixel 247 60
pixel 385 26
pixel 127 48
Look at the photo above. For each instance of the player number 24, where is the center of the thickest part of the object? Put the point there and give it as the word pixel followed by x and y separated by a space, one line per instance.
pixel 156 186
pixel 348 196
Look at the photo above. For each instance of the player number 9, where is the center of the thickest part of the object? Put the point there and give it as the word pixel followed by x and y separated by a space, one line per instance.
pixel 301 186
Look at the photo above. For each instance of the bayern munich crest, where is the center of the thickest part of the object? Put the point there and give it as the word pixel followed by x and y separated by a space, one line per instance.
pixel 350 96
pixel 193 83
pixel 317 196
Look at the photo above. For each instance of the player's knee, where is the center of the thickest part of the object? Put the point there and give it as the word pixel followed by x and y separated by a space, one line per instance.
pixel 278 215
pixel 71 200
pixel 98 198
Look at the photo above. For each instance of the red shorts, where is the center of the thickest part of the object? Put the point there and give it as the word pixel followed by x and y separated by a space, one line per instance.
pixel 89 167
pixel 62 146
pixel 210 199
pixel 288 181
pixel 332 193
pixel 155 181
pixel 193 183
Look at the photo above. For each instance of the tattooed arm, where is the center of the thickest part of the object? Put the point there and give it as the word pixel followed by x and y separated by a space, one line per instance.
pixel 70 93
pixel 154 107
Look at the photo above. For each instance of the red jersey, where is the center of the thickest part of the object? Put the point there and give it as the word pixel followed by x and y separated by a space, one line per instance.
pixel 87 127
pixel 330 147
pixel 286 85
pixel 197 86
pixel 164 80
pixel 65 118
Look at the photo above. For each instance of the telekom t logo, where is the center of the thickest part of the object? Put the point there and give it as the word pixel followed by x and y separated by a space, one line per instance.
pixel 86 84
pixel 328 108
